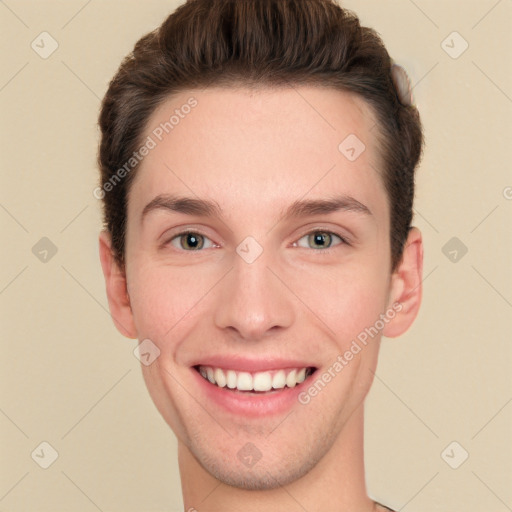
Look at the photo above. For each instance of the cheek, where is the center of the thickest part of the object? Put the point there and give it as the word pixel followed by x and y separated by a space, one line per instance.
pixel 347 298
pixel 341 299
pixel 166 299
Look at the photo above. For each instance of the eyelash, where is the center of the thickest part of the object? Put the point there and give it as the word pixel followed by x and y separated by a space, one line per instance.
pixel 343 240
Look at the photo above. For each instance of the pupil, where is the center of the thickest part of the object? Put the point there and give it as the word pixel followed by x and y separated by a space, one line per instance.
pixel 320 239
pixel 192 240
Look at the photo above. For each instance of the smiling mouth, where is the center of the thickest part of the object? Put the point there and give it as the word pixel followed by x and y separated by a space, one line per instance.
pixel 255 382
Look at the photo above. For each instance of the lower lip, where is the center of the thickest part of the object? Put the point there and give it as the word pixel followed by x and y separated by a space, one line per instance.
pixel 251 404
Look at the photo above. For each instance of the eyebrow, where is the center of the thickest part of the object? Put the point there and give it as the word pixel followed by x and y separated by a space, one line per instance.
pixel 185 205
pixel 299 208
pixel 305 208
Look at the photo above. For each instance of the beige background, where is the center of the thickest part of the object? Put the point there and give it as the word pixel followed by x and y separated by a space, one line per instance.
pixel 70 379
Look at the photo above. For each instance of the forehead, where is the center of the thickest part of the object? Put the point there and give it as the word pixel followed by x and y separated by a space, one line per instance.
pixel 274 143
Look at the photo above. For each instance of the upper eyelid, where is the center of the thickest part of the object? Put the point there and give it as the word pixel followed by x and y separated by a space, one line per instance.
pixel 186 232
pixel 330 232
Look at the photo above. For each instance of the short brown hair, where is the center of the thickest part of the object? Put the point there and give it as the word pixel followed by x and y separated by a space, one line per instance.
pixel 264 43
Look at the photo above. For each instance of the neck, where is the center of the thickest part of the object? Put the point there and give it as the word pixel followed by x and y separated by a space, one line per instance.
pixel 336 483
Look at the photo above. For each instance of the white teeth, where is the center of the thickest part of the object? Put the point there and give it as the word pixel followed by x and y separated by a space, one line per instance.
pixel 262 382
pixel 259 381
pixel 231 379
pixel 244 382
pixel 279 380
pixel 219 377
pixel 291 379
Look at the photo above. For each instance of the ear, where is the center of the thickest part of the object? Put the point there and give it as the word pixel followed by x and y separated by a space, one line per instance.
pixel 406 286
pixel 117 291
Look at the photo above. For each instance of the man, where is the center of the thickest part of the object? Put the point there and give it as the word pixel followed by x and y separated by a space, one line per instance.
pixel 257 173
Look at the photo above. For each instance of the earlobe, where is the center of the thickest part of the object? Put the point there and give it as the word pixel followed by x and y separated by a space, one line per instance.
pixel 406 286
pixel 116 288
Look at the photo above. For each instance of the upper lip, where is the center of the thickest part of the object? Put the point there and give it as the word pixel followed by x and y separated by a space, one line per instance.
pixel 244 364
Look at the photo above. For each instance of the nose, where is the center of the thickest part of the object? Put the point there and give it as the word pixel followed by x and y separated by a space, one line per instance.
pixel 252 302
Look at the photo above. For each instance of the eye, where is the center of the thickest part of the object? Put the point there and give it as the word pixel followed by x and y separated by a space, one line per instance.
pixel 320 240
pixel 190 241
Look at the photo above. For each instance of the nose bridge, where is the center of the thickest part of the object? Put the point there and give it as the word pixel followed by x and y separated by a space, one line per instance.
pixel 252 300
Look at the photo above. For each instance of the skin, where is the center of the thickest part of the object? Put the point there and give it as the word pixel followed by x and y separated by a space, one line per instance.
pixel 254 153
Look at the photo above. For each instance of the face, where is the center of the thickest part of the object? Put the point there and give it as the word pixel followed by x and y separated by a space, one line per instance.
pixel 257 253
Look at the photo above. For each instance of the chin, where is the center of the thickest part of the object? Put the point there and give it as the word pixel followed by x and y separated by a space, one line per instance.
pixel 261 477
pixel 269 465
